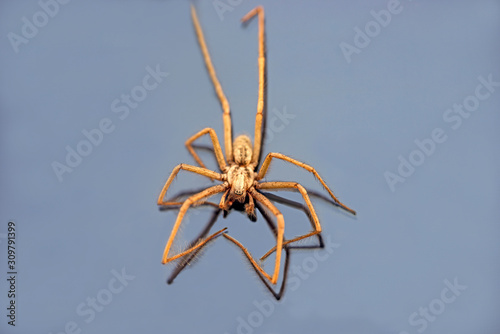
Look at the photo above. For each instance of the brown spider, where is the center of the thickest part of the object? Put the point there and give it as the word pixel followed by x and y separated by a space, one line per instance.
pixel 241 179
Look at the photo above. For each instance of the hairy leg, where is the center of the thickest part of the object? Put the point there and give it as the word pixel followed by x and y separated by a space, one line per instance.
pixel 278 295
pixel 226 114
pixel 267 162
pixel 262 97
pixel 217 149
pixel 184 262
pixel 296 205
pixel 258 197
pixel 303 192
pixel 182 211
pixel 189 168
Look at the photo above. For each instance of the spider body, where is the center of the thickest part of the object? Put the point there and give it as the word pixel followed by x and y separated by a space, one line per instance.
pixel 240 177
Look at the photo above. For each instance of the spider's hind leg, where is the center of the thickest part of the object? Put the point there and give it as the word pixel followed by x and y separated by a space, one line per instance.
pixel 277 185
pixel 296 205
pixel 226 113
pixel 260 118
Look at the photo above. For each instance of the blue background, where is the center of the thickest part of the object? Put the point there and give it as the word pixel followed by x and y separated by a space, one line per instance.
pixel 351 120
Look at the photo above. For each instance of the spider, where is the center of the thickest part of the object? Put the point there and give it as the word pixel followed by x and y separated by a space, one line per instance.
pixel 241 178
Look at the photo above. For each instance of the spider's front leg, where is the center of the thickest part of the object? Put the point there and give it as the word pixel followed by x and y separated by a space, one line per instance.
pixel 182 211
pixel 189 258
pixel 189 168
pixel 279 238
pixel 277 294
pixel 267 162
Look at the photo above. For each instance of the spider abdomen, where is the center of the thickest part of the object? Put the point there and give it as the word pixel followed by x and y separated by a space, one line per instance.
pixel 242 150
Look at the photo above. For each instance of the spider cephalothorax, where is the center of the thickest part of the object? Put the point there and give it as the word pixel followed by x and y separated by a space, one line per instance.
pixel 240 176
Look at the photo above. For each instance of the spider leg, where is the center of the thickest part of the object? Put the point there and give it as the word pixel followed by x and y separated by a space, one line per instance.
pixel 189 258
pixel 182 211
pixel 278 295
pixel 226 114
pixel 267 162
pixel 303 192
pixel 189 168
pixel 279 238
pixel 177 205
pixel 217 149
pixel 262 97
pixel 249 256
pixel 304 208
pixel 181 196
